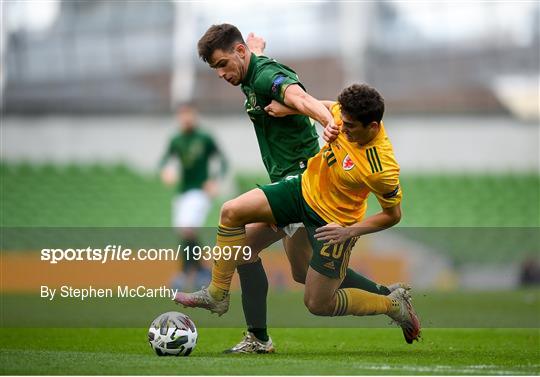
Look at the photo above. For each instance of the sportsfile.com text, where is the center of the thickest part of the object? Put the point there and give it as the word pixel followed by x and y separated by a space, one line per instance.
pixel 119 253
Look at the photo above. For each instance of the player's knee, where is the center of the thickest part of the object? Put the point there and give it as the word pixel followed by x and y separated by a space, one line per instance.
pixel 229 214
pixel 299 276
pixel 317 307
pixel 254 258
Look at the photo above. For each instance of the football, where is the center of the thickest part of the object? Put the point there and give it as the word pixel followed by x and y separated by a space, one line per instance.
pixel 172 334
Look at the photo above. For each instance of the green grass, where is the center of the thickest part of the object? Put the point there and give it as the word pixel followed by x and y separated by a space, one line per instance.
pixel 461 309
pixel 318 351
pixel 464 333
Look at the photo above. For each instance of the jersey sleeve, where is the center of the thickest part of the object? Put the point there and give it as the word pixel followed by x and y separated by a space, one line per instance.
pixel 214 150
pixel 385 185
pixel 211 146
pixel 273 81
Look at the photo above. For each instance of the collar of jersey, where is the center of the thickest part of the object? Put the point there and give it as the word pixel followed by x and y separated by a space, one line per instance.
pixel 251 69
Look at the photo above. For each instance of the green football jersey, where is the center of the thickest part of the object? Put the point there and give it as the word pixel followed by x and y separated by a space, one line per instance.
pixel 285 143
pixel 194 150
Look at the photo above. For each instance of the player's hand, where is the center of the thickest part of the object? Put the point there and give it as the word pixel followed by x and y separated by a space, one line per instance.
pixel 331 132
pixel 168 176
pixel 333 233
pixel 278 110
pixel 211 187
pixel 256 44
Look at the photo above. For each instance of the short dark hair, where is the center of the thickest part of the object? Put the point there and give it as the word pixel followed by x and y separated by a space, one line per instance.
pixel 362 102
pixel 218 37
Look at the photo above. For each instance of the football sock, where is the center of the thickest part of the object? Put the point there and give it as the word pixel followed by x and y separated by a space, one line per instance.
pixel 254 284
pixel 260 334
pixel 358 302
pixel 223 269
pixel 355 280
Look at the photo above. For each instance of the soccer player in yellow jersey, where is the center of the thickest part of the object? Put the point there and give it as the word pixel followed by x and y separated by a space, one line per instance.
pixel 330 198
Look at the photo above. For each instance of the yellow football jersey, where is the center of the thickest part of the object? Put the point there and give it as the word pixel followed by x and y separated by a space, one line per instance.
pixel 340 177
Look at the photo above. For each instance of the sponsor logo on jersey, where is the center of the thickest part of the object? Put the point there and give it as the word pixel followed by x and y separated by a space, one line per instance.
pixel 348 164
pixel 329 265
pixel 276 84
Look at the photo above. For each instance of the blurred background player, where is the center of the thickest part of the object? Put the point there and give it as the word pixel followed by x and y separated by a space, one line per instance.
pixel 194 150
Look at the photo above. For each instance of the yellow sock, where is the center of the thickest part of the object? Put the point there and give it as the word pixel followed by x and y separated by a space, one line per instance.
pixel 358 302
pixel 223 269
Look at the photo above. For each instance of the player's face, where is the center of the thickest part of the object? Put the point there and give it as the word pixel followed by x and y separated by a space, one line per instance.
pixel 356 132
pixel 230 66
pixel 187 118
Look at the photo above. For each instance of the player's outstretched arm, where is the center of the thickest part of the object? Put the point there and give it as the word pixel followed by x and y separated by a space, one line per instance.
pixel 166 172
pixel 279 110
pixel 296 98
pixel 335 233
pixel 328 104
pixel 256 44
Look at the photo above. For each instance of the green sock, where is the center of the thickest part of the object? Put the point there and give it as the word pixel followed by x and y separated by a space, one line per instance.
pixel 254 284
pixel 355 280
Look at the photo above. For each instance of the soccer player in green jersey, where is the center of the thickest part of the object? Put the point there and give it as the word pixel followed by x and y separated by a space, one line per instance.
pixel 286 143
pixel 194 149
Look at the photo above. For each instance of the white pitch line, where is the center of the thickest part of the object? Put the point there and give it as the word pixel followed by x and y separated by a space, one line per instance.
pixel 484 369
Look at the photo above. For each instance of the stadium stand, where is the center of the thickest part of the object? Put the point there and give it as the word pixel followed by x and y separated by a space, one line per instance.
pixel 459 215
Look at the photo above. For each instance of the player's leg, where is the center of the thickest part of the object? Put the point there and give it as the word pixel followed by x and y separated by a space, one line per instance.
pixel 275 203
pixel 251 207
pixel 254 283
pixel 195 213
pixel 322 296
pixel 189 213
pixel 254 286
pixel 258 237
pixel 299 251
pixel 355 280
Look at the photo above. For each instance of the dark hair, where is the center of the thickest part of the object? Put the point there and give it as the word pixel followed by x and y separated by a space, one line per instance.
pixel 218 37
pixel 362 102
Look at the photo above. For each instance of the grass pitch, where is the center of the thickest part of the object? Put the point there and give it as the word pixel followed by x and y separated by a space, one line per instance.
pixel 306 351
pixel 42 337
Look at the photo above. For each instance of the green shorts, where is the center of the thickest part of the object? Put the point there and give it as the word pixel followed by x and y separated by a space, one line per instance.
pixel 289 207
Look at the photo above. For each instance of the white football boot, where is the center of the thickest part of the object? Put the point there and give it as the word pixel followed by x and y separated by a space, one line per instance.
pixel 393 287
pixel 404 315
pixel 250 344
